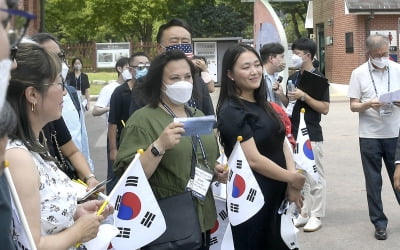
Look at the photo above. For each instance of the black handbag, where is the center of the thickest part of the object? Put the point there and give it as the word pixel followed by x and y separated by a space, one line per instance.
pixel 183 227
pixel 180 213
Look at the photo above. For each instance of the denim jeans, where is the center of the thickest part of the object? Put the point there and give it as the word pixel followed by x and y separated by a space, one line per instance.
pixel 372 152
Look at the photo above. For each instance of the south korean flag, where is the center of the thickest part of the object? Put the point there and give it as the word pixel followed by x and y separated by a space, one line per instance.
pixel 303 153
pixel 137 214
pixel 218 231
pixel 244 196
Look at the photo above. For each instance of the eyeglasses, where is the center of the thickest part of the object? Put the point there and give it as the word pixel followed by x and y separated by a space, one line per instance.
pixel 140 66
pixel 18 21
pixel 61 55
pixel 62 84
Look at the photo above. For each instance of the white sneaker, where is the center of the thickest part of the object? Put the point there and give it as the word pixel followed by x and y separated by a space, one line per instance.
pixel 313 225
pixel 300 221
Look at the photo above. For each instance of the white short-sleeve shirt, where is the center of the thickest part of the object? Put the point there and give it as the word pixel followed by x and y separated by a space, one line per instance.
pixel 105 95
pixel 371 124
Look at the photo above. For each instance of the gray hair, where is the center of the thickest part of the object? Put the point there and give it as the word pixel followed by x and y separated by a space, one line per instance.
pixel 377 41
pixel 8 120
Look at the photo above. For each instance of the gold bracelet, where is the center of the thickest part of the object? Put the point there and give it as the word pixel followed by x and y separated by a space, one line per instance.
pixel 88 177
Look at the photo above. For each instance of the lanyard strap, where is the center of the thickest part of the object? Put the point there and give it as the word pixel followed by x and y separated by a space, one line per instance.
pixel 373 81
pixel 195 139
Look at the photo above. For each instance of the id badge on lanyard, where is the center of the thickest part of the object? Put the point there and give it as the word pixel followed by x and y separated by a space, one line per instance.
pixel 386 110
pixel 202 179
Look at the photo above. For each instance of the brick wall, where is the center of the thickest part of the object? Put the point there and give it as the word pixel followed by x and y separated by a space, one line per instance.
pixel 32 7
pixel 340 64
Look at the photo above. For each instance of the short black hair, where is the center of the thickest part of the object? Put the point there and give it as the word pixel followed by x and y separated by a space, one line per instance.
pixel 121 63
pixel 136 54
pixel 44 37
pixel 270 49
pixel 171 23
pixel 305 44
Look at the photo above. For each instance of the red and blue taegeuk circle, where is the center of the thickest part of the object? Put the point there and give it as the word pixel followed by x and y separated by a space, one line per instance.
pixel 129 207
pixel 307 149
pixel 238 187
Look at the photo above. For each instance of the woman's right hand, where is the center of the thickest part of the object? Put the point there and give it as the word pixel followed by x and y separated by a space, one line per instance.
pixel 297 180
pixel 170 136
pixel 88 226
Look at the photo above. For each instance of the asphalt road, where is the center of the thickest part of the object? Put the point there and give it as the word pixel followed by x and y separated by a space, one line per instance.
pixel 346 225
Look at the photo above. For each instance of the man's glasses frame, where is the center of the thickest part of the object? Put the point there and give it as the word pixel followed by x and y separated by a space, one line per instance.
pixel 14 42
pixel 140 66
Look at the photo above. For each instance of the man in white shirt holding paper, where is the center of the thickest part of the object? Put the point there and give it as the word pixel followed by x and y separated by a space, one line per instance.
pixel 379 123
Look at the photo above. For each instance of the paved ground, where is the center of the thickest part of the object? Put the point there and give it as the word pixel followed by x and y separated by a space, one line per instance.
pixel 346 225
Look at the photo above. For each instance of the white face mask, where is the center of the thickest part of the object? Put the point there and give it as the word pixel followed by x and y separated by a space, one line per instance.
pixel 380 62
pixel 297 61
pixel 5 67
pixel 179 92
pixel 78 66
pixel 126 75
pixel 64 70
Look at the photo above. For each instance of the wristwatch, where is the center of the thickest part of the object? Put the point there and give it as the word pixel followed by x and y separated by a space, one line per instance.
pixel 303 98
pixel 155 151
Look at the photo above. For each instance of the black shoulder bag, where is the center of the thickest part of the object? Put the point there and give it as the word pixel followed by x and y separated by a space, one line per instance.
pixel 180 214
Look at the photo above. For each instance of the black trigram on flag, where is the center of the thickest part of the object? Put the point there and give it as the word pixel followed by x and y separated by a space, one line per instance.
pixel 223 214
pixel 296 148
pixel 234 208
pixel 213 240
pixel 251 195
pixel 230 175
pixel 304 131
pixel 132 181
pixel 148 219
pixel 124 232
pixel 117 202
pixel 239 164
pixel 315 168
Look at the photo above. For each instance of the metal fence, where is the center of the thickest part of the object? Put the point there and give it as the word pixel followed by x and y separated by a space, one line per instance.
pixel 87 52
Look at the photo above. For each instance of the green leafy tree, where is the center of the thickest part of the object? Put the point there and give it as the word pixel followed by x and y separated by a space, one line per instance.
pixel 138 20
pixel 293 16
pixel 67 20
pixel 216 21
pixel 128 19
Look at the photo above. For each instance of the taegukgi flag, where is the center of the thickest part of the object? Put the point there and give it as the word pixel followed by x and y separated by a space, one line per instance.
pixel 218 231
pixel 244 196
pixel 137 214
pixel 303 154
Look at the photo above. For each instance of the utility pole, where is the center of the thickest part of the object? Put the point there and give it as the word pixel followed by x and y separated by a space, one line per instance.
pixel 42 16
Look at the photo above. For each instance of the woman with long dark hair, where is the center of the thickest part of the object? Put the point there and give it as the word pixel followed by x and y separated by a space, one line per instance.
pixel 47 196
pixel 242 110
pixel 79 80
pixel 167 158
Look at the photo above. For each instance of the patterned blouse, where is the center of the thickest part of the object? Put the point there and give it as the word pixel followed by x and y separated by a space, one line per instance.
pixel 57 197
